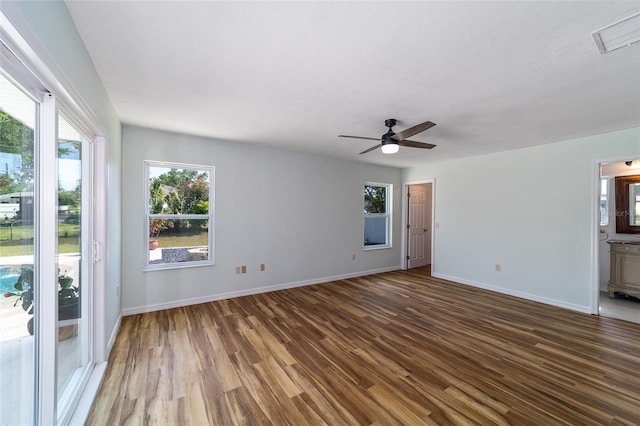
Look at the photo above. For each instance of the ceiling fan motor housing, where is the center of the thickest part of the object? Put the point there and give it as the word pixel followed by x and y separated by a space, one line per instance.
pixel 387 138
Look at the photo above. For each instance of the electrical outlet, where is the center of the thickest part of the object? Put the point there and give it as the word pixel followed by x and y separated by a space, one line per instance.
pixel 244 269
pixel 353 257
pixel 237 269
pixel 262 268
pixel 498 267
pixel 437 224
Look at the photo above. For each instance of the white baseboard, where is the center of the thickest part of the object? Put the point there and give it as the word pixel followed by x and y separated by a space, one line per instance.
pixel 249 292
pixel 114 334
pixel 520 294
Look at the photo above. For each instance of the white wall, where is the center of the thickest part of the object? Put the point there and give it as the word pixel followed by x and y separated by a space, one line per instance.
pixel 50 32
pixel 301 215
pixel 530 210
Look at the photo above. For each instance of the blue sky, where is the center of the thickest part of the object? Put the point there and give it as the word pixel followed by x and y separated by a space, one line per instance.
pixel 68 166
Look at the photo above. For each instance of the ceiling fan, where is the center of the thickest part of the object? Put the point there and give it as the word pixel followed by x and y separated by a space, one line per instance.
pixel 391 142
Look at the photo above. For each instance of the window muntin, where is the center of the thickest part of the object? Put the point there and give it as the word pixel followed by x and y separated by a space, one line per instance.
pixel 377 215
pixel 179 215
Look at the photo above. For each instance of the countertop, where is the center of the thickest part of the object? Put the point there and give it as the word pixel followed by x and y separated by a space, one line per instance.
pixel 634 242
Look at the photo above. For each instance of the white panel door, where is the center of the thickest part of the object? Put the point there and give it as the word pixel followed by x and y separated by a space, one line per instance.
pixel 418 227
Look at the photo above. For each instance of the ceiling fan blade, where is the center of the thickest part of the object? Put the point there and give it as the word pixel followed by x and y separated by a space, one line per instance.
pixel 358 137
pixel 414 144
pixel 407 133
pixel 371 149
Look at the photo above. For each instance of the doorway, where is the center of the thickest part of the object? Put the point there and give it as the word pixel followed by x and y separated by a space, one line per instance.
pixel 624 303
pixel 419 224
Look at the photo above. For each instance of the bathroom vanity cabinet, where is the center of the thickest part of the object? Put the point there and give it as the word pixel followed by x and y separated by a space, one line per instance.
pixel 625 268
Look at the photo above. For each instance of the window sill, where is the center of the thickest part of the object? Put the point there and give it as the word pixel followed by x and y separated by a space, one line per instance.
pixel 377 247
pixel 177 265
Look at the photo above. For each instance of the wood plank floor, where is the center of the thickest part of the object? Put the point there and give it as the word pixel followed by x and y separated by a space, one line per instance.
pixel 393 348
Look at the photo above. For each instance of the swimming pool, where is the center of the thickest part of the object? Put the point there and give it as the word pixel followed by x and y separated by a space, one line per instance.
pixel 8 277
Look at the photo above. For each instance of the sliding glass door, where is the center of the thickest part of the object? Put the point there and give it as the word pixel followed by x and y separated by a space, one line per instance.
pixel 74 260
pixel 19 290
pixel 46 242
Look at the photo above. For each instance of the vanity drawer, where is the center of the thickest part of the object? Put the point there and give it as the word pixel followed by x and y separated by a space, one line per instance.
pixel 625 248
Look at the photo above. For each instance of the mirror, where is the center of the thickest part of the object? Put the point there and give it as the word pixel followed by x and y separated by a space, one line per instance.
pixel 628 204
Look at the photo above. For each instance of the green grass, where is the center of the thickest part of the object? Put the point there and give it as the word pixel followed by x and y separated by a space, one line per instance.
pixel 68 240
pixel 23 232
pixel 16 248
pixel 22 242
pixel 16 232
pixel 192 240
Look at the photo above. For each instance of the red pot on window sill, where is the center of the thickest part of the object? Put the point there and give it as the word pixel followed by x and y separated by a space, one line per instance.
pixel 153 244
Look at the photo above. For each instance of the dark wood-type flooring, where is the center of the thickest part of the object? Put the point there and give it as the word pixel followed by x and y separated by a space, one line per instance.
pixel 392 348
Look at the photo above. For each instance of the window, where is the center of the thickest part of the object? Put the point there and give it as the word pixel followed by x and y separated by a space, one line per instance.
pixel 377 215
pixel 604 201
pixel 634 204
pixel 179 215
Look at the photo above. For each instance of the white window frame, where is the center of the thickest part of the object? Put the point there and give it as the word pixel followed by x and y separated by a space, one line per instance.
pixel 209 261
pixel 387 215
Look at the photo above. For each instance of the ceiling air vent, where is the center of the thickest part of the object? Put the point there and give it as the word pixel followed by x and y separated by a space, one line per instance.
pixel 619 34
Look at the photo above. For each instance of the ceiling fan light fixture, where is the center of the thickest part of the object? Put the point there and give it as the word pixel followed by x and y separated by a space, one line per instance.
pixel 390 148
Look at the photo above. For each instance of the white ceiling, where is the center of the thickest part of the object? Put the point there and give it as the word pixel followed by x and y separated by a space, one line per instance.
pixel 492 75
